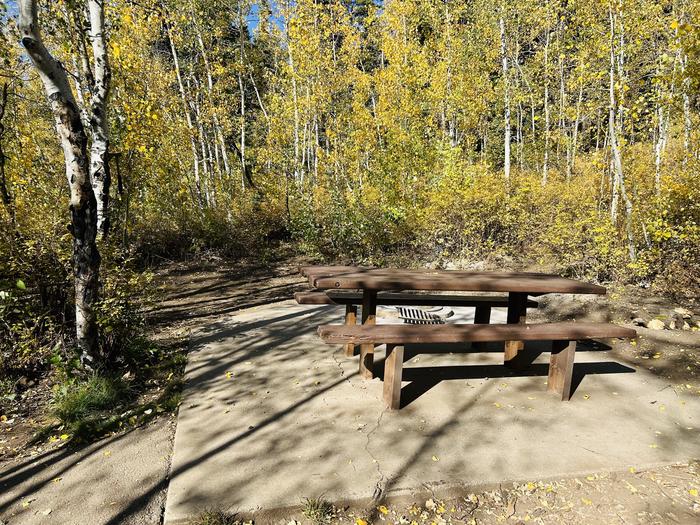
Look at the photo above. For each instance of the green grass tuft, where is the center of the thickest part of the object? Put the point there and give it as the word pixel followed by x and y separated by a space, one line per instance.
pixel 81 406
pixel 317 510
pixel 215 517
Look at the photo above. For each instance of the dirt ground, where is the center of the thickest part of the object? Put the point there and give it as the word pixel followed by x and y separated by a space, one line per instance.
pixel 660 496
pixel 197 293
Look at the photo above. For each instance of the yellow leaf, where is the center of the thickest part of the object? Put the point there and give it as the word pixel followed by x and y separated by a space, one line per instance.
pixel 383 509
pixel 228 375
pixel 360 521
pixel 435 458
pixel 586 501
pixel 64 436
pixel 693 492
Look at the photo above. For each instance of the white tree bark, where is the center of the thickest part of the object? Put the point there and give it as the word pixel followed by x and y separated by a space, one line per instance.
pixel 616 156
pixel 188 117
pixel 83 206
pixel 545 162
pixel 99 123
pixel 506 101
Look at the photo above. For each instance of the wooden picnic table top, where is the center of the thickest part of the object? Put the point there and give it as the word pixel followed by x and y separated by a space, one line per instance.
pixel 378 279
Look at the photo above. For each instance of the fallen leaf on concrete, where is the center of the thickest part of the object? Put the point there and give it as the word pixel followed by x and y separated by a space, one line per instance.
pixel 631 487
pixel 435 458
pixel 383 509
pixel 693 492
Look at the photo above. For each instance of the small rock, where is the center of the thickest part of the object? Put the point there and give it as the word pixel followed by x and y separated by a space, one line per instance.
pixel 656 324
pixel 685 326
pixel 638 321
pixel 683 312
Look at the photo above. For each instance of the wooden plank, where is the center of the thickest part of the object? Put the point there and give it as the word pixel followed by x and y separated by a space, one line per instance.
pixel 561 368
pixel 405 299
pixel 369 318
pixel 443 280
pixel 320 270
pixel 350 320
pixel 517 311
pixel 459 333
pixel 393 367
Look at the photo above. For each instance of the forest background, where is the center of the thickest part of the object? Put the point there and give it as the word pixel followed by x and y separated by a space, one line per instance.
pixel 559 133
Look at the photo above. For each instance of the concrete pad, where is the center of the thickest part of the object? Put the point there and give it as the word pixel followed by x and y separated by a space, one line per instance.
pixel 115 481
pixel 271 414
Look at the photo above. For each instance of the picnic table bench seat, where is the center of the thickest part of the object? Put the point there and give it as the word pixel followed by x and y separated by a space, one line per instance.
pixel 563 335
pixel 351 299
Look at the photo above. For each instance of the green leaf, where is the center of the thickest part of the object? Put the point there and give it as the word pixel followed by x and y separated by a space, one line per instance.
pixel 20 284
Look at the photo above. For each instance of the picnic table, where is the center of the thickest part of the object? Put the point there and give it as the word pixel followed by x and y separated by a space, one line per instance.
pixel 373 282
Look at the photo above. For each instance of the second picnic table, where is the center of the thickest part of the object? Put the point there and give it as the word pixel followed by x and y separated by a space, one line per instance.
pixel 371 281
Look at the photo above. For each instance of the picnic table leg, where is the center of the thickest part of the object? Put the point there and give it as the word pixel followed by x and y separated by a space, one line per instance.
pixel 561 368
pixel 369 317
pixel 350 320
pixel 393 366
pixel 482 315
pixel 517 309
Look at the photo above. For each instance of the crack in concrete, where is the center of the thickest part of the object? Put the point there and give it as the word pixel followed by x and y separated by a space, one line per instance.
pixel 340 366
pixel 379 486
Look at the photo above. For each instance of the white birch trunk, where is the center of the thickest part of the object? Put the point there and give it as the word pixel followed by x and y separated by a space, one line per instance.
pixel 83 206
pixel 506 102
pixel 99 122
pixel 545 161
pixel 615 147
pixel 188 117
